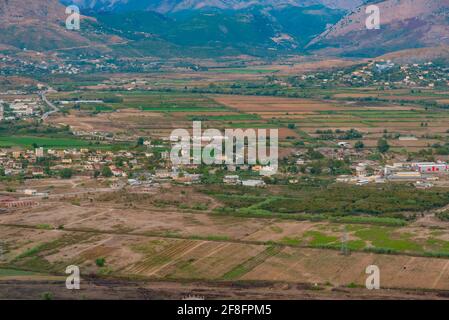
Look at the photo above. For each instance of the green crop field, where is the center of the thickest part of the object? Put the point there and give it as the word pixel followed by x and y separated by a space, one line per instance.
pixel 231 117
pixel 28 141
pixel 12 273
pixel 56 143
pixel 182 109
pixel 390 203
pixel 245 71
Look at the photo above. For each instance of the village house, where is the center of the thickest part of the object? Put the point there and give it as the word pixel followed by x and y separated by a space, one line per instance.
pixel 163 174
pixel 117 172
pixel 231 179
pixel 10 202
pixel 253 183
pixel 430 167
pixel 36 171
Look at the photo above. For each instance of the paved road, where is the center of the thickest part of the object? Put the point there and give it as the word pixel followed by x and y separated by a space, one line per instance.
pixel 75 193
pixel 50 104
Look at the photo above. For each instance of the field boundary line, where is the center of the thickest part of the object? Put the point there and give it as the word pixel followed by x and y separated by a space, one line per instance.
pixel 219 248
pixel 437 280
pixel 177 258
pixel 193 238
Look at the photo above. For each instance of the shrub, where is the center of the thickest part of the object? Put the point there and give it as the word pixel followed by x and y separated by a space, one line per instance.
pixel 359 145
pixel 66 173
pixel 106 172
pixel 47 296
pixel 100 262
pixel 383 146
pixel 444 215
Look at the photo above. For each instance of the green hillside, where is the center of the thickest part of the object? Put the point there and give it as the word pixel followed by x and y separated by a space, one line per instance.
pixel 244 31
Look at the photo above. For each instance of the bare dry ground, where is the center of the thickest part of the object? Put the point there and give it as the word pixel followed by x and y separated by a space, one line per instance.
pixel 318 266
pixel 273 104
pixel 118 121
pixel 143 257
pixel 93 288
pixel 309 66
pixel 146 241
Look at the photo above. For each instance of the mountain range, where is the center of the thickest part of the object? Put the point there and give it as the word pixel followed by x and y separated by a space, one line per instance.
pixel 40 25
pixel 225 27
pixel 170 6
pixel 405 24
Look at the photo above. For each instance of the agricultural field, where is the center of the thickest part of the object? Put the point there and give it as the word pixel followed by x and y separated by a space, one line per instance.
pixel 394 113
pixel 303 235
pixel 147 237
pixel 28 141
pixel 224 150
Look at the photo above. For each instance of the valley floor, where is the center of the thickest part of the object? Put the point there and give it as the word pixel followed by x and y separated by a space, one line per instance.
pixel 152 252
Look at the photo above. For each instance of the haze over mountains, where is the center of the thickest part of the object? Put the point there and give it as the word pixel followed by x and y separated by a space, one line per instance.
pixel 40 25
pixel 404 24
pixel 169 6
pixel 231 27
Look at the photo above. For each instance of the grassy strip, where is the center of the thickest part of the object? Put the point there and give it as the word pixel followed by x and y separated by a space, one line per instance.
pixel 13 272
pixel 42 141
pixel 260 213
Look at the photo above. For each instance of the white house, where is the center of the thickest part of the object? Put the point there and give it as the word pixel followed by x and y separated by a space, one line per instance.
pixel 253 183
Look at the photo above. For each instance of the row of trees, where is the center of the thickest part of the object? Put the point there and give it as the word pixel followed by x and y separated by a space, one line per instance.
pixel 67 173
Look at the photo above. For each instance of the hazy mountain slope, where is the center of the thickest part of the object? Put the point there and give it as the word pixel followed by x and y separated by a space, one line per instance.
pixel 440 53
pixel 342 4
pixel 404 24
pixel 40 25
pixel 260 27
pixel 168 6
pixel 123 5
pixel 284 28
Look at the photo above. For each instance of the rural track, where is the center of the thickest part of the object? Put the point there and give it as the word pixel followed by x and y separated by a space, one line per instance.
pixel 101 45
pixel 54 109
pixel 437 280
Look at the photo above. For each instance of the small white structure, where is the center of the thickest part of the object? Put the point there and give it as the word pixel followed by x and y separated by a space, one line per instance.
pixel 405 176
pixel 423 185
pixel 408 138
pixel 39 152
pixel 362 182
pixel 253 183
pixel 30 192
pixel 343 144
pixel 430 167
pixel 163 174
pixel 231 179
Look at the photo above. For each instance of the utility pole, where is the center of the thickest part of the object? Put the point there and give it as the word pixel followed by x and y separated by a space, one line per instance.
pixel 344 242
pixel 2 251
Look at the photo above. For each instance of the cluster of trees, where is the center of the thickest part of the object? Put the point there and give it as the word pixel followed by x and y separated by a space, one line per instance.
pixel 383 146
pixel 328 166
pixel 359 145
pixel 353 200
pixel 68 173
pixel 351 134
pixel 32 128
pixel 441 150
